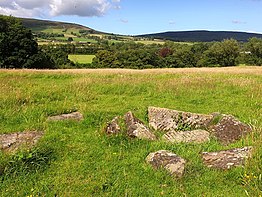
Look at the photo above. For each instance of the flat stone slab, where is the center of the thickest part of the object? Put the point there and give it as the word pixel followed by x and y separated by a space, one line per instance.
pixel 195 136
pixel 12 142
pixel 226 159
pixel 113 126
pixel 171 120
pixel 72 116
pixel 229 129
pixel 174 164
pixel 136 128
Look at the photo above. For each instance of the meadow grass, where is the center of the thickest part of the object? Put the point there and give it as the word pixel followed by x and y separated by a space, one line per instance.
pixel 82 59
pixel 83 161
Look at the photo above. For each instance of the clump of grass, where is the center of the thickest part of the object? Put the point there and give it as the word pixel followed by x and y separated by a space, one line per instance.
pixel 252 181
pixel 26 161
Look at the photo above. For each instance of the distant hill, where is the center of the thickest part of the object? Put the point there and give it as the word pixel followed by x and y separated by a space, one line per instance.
pixel 41 25
pixel 178 36
pixel 202 36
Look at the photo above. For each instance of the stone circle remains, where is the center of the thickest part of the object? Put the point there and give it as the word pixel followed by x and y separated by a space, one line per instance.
pixel 187 127
pixel 175 126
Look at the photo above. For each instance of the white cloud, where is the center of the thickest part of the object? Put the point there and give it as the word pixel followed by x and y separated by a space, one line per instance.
pixel 238 22
pixel 31 4
pixel 6 4
pixel 124 20
pixel 30 8
pixel 172 22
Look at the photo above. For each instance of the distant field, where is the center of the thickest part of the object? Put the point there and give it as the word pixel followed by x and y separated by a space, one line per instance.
pixel 79 159
pixel 82 59
pixel 76 39
pixel 160 42
pixel 61 31
pixel 150 42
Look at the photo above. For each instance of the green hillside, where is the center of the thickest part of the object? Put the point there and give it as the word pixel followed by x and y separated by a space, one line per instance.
pixel 47 26
pixel 59 32
pixel 43 25
pixel 202 36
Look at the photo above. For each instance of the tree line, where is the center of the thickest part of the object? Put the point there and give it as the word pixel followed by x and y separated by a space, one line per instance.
pixel 173 55
pixel 19 49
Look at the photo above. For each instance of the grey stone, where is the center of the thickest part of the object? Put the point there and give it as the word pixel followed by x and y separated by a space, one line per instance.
pixel 174 164
pixel 226 159
pixel 113 127
pixel 72 116
pixel 195 136
pixel 229 129
pixel 171 120
pixel 136 128
pixel 12 142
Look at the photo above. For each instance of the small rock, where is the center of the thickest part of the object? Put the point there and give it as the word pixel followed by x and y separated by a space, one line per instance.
pixel 170 120
pixel 72 116
pixel 229 129
pixel 113 127
pixel 12 142
pixel 136 128
pixel 195 136
pixel 226 159
pixel 168 160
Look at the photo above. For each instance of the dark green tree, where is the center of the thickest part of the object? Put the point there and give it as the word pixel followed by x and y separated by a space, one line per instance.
pixel 253 52
pixel 58 54
pixel 105 59
pixel 184 57
pixel 17 44
pixel 223 53
pixel 70 39
pixel 40 60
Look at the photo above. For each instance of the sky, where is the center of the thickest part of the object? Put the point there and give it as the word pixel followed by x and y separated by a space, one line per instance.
pixel 134 17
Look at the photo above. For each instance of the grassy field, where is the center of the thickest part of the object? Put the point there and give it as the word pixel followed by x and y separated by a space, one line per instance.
pixel 78 159
pixel 76 39
pixel 82 59
pixel 156 41
pixel 61 30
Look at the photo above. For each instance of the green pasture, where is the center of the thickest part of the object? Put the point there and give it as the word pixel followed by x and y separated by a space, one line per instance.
pixel 79 159
pixel 76 39
pixel 156 41
pixel 82 59
pixel 61 30
pixel 146 42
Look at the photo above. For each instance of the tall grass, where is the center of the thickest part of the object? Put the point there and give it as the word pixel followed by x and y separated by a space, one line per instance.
pixel 85 162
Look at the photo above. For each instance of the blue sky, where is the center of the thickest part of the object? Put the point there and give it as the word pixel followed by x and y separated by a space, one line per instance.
pixel 132 17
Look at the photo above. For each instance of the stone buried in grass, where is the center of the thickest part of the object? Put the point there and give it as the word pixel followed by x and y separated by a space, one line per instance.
pixel 226 159
pixel 113 127
pixel 171 120
pixel 195 136
pixel 136 128
pixel 12 142
pixel 72 116
pixel 174 164
pixel 229 129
